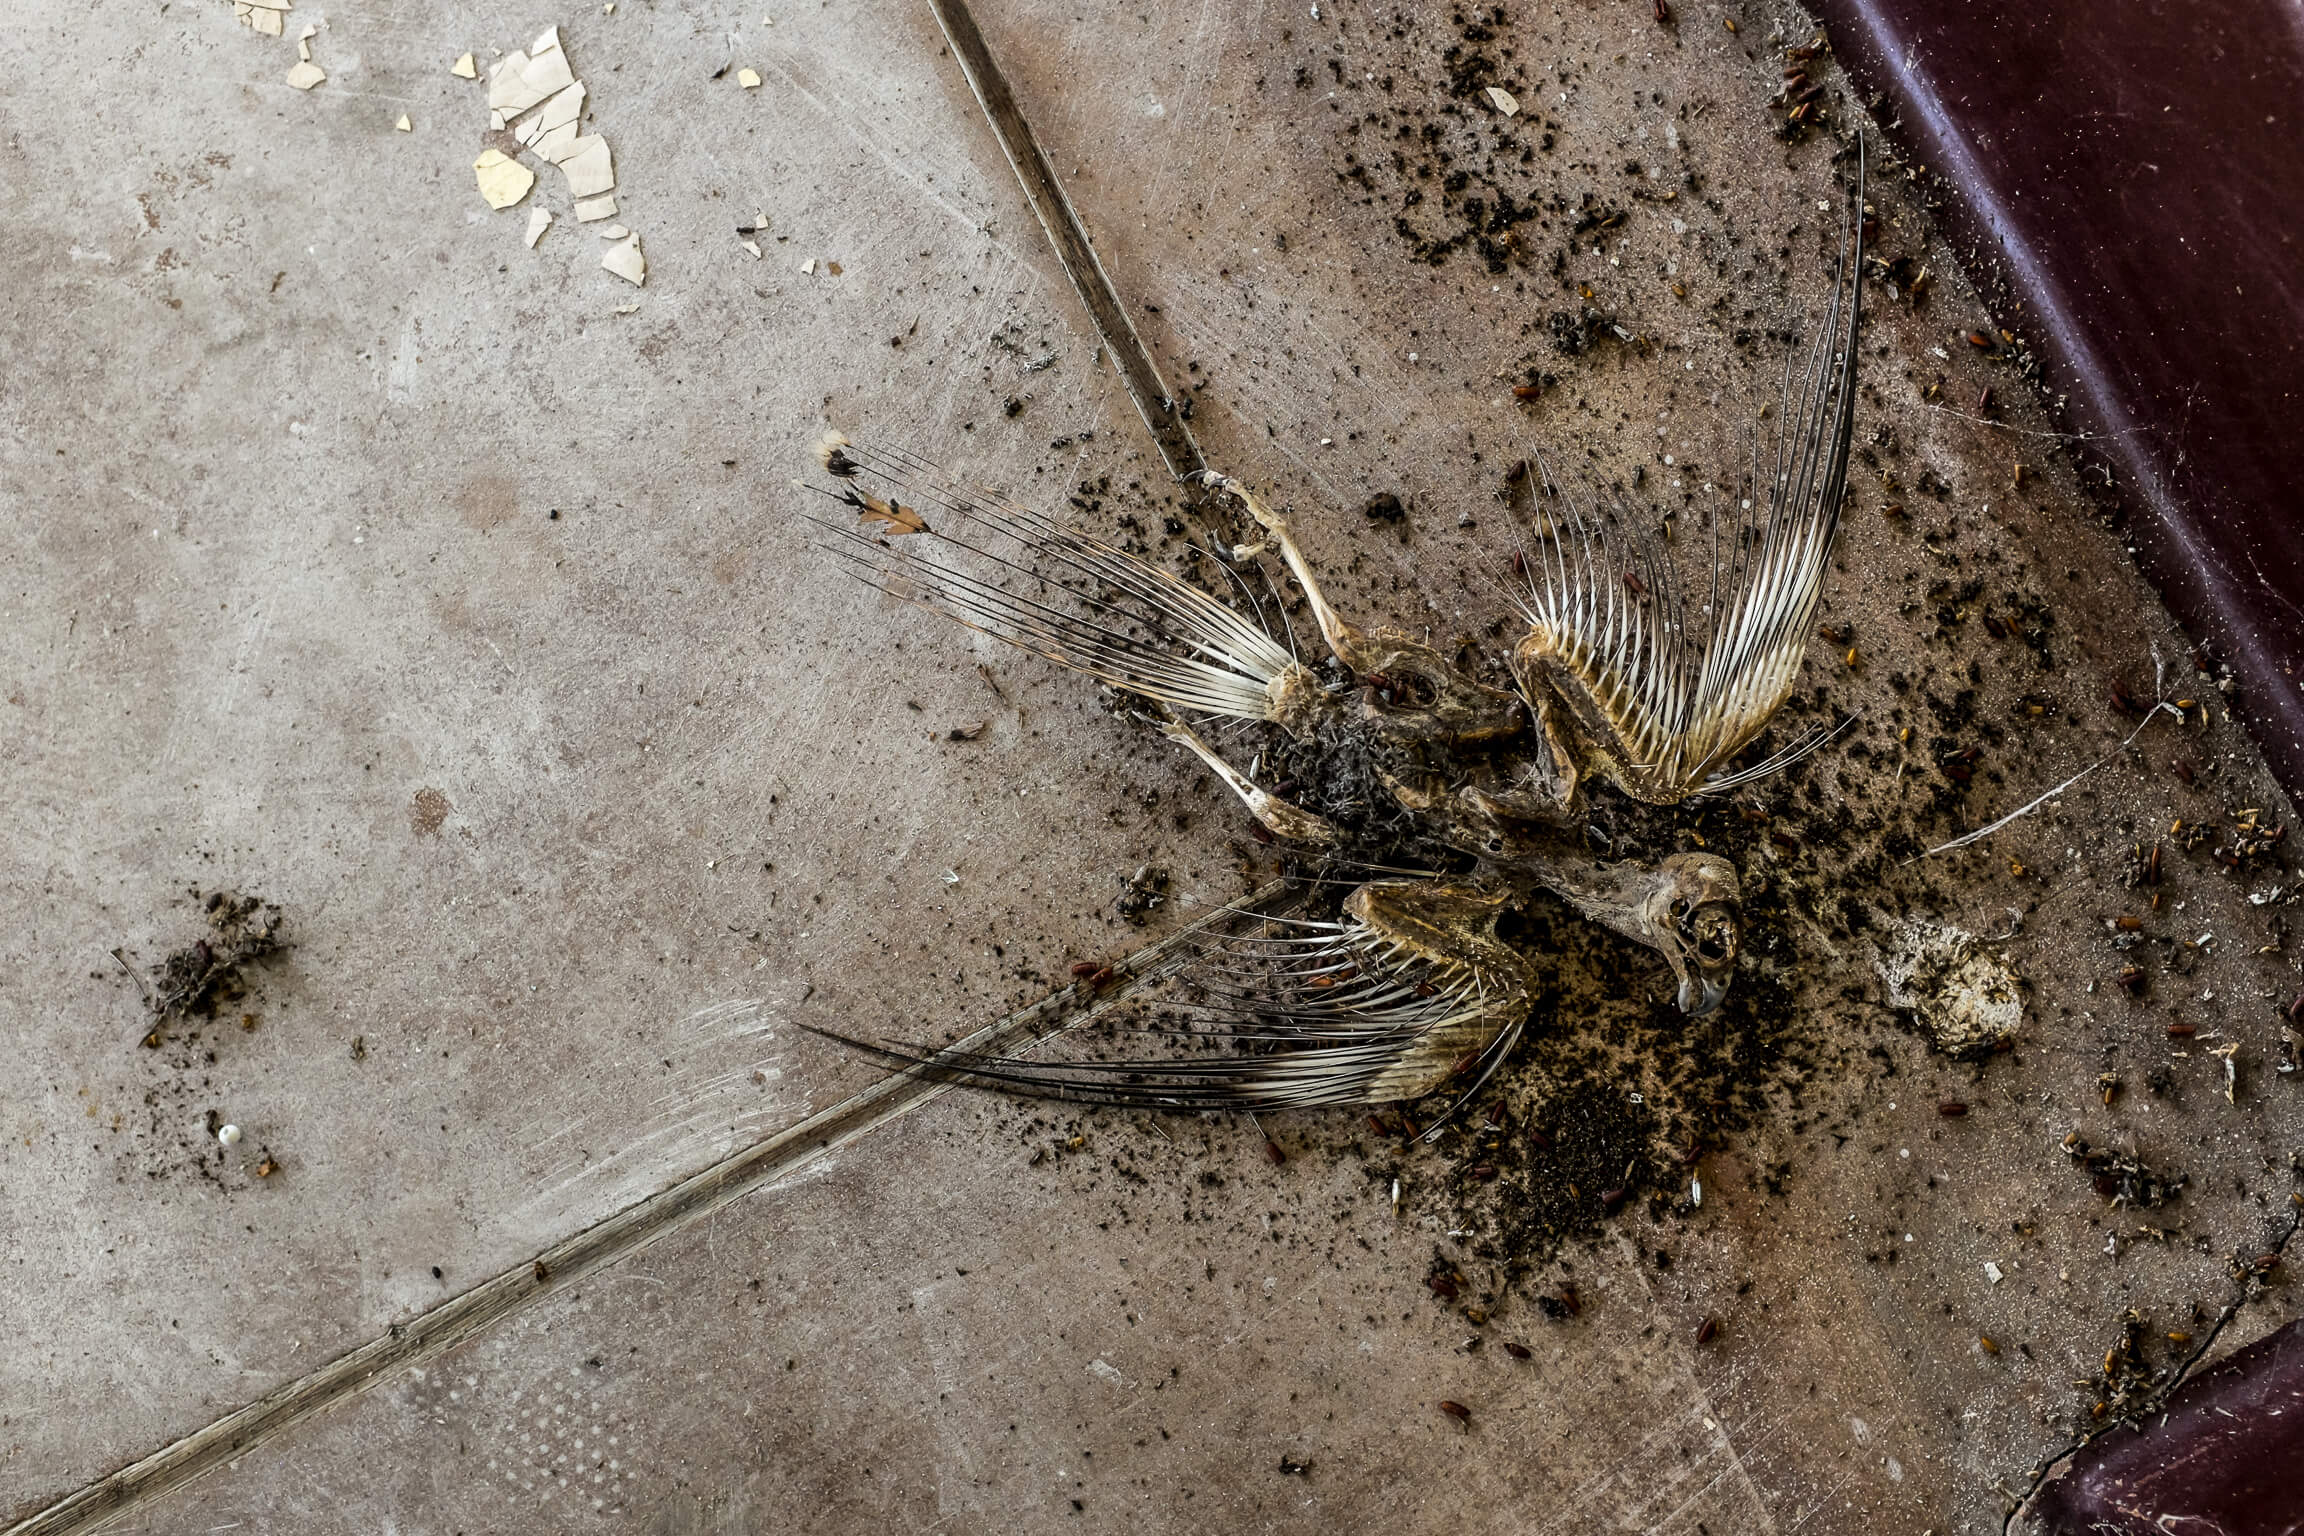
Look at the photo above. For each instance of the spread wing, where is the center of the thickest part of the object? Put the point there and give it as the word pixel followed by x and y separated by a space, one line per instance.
pixel 1002 569
pixel 1609 618
pixel 1270 1010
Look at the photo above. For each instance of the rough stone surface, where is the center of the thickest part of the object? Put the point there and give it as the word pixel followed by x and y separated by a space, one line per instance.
pixel 572 819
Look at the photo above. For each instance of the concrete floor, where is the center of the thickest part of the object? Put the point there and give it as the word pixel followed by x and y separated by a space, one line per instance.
pixel 363 560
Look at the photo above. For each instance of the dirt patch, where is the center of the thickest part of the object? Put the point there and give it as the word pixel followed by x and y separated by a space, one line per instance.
pixel 209 973
pixel 202 996
pixel 428 812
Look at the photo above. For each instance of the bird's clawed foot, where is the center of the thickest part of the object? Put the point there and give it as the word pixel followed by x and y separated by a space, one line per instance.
pixel 1343 639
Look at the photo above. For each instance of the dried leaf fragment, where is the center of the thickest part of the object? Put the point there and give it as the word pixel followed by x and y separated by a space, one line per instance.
pixel 1503 100
pixel 626 261
pixel 895 518
pixel 306 75
pixel 503 180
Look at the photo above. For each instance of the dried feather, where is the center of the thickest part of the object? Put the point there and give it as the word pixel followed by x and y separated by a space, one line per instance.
pixel 1681 701
pixel 1007 571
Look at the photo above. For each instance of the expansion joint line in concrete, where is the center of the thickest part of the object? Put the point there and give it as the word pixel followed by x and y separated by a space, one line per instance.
pixel 431 1334
pixel 1163 414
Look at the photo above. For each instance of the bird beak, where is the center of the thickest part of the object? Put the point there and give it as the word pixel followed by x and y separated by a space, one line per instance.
pixel 1699 996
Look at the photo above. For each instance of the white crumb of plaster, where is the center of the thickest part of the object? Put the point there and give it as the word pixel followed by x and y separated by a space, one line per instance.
pixel 1965 997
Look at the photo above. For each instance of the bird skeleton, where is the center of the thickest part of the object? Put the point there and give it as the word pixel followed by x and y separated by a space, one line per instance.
pixel 1413 985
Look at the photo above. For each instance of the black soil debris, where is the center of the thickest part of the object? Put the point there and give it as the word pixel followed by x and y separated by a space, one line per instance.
pixel 203 1000
pixel 208 972
pixel 2122 1177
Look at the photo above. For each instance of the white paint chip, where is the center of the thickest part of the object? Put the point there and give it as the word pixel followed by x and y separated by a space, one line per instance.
pixel 748 78
pixel 553 145
pixel 614 232
pixel 503 180
pixel 626 262
pixel 539 220
pixel 809 266
pixel 403 126
pixel 260 16
pixel 561 108
pixel 519 80
pixel 588 168
pixel 1503 100
pixel 592 208
pixel 753 246
pixel 306 75
pixel 464 69
pixel 1991 1271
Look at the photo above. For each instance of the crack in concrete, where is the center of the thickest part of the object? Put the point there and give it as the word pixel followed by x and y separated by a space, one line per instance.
pixel 2231 1309
pixel 431 1334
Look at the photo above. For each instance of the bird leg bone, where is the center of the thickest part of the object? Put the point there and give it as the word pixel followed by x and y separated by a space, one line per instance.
pixel 1285 821
pixel 1343 639
pixel 1684 908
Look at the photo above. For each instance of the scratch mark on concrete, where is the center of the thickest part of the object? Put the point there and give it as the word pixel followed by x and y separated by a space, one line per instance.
pixel 429 1335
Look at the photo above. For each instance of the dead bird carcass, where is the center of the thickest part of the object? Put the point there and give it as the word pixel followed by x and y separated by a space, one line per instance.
pixel 1468 799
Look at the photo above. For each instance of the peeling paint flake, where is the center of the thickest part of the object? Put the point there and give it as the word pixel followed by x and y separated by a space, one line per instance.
pixel 503 180
pixel 626 261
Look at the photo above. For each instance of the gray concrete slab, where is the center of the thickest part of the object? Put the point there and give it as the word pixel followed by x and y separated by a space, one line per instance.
pixel 628 712
pixel 290 612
